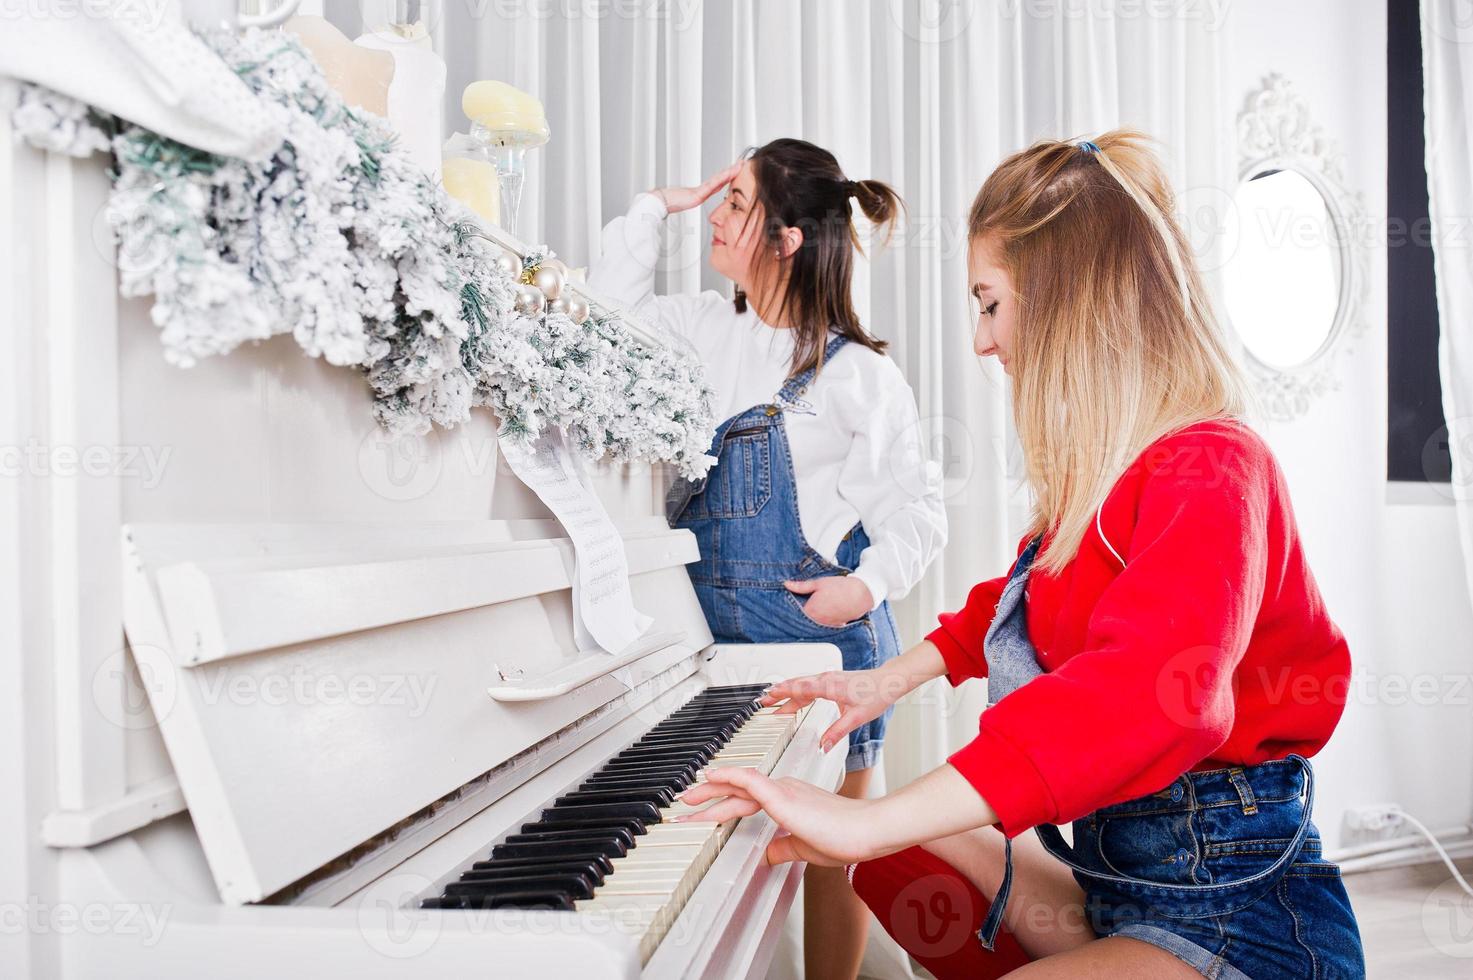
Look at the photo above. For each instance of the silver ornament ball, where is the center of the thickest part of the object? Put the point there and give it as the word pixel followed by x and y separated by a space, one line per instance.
pixel 509 265
pixel 549 280
pixel 577 309
pixel 559 305
pixel 529 301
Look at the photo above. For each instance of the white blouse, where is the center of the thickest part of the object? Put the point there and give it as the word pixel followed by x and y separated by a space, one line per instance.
pixel 858 456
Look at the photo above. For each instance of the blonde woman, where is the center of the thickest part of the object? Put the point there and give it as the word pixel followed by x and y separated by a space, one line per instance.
pixel 1159 659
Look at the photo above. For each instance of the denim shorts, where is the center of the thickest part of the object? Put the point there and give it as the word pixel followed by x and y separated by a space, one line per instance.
pixel 1203 870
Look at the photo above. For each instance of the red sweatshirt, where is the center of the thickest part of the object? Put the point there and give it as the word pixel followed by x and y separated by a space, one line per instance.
pixel 1211 647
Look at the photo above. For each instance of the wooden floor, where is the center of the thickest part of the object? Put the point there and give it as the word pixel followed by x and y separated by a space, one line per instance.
pixel 1414 922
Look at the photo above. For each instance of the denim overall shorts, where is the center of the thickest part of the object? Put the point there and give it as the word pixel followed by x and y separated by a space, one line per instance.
pixel 1220 868
pixel 744 514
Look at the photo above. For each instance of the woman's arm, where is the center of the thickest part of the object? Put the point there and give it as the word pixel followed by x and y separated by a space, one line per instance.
pixel 625 271
pixel 827 829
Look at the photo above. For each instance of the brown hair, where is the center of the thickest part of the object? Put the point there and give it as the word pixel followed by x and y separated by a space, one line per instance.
pixel 800 185
pixel 1116 344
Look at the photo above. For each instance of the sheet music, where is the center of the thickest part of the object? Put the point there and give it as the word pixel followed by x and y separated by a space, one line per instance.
pixel 603 606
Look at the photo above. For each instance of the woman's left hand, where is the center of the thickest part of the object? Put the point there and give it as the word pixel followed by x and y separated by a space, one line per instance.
pixel 833 600
pixel 823 828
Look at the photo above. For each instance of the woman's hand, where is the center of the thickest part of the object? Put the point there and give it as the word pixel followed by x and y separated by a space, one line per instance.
pixel 685 198
pixel 862 696
pixel 831 830
pixel 823 828
pixel 834 599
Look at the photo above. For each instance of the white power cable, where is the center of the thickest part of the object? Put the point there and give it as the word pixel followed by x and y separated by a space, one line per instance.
pixel 1437 846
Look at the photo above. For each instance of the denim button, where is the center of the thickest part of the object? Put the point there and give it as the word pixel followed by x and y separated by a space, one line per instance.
pixel 1183 855
pixel 1176 793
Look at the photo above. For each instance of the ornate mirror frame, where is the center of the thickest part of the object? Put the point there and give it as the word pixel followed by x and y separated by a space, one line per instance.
pixel 1275 131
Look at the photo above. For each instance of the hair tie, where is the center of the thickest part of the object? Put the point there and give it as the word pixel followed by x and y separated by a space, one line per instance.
pixel 851 188
pixel 1088 146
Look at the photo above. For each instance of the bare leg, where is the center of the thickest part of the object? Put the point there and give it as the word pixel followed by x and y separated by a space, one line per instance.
pixel 1111 958
pixel 835 921
pixel 1045 910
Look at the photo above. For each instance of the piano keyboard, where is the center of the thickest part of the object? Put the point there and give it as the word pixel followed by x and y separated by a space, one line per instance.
pixel 609 847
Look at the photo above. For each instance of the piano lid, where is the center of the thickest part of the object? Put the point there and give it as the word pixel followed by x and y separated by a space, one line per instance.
pixel 316 685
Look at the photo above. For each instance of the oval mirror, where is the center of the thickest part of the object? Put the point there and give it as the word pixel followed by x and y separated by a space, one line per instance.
pixel 1282 283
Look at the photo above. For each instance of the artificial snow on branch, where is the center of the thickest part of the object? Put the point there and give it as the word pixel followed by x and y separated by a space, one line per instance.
pixel 338 239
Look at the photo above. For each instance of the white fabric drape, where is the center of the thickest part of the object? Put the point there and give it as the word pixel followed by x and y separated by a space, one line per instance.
pixel 926 94
pixel 1447 65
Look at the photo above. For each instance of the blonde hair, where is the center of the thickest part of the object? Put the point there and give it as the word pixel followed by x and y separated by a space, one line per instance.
pixel 1116 344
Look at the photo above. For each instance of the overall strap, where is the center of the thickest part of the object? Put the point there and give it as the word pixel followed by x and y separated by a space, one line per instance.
pixel 799 382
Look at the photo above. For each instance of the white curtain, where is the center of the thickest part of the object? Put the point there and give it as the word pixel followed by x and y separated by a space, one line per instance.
pixel 1447 64
pixel 926 94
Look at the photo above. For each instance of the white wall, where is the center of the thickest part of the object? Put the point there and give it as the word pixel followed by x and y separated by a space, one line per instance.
pixel 1390 572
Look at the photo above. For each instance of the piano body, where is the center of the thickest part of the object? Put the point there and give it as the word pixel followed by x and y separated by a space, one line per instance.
pixel 275 683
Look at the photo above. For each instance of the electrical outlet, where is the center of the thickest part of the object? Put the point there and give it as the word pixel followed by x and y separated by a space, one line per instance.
pixel 1373 818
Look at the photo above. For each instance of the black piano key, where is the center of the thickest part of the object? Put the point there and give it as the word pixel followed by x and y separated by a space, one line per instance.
pixel 697 707
pixel 652 761
pixel 616 768
pixel 570 885
pixel 518 900
pixel 722 734
pixel 695 737
pixel 602 862
pixel 613 768
pixel 625 775
pixel 522 867
pixel 647 812
pixel 706 718
pixel 563 848
pixel 659 756
pixel 672 783
pixel 635 827
pixel 709 747
pixel 688 732
pixel 659 797
pixel 603 833
pixel 724 719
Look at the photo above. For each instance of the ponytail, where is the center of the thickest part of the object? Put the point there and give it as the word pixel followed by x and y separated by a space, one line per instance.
pixel 880 204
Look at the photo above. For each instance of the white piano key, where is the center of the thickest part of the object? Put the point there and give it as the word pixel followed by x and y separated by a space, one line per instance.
pixel 757 744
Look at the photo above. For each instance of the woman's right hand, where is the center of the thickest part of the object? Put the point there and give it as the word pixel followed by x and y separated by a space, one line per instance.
pixel 862 696
pixel 685 198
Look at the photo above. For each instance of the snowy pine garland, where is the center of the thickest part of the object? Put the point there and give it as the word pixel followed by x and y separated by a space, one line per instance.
pixel 339 239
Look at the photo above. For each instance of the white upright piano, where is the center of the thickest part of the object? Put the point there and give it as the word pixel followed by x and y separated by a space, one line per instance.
pixel 273 685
